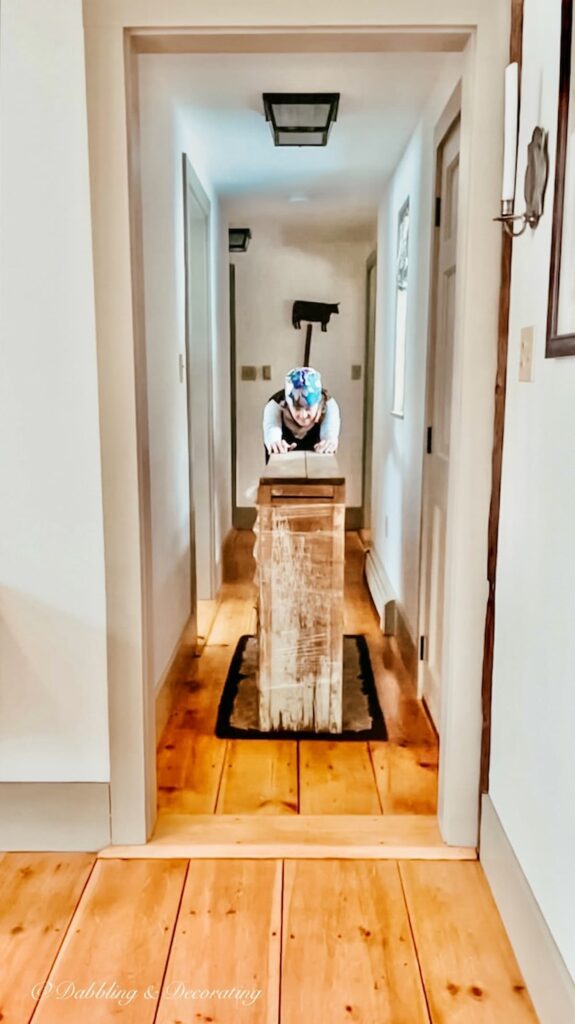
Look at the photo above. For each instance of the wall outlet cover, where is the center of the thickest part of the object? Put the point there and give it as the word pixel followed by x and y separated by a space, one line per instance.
pixel 249 373
pixel 266 373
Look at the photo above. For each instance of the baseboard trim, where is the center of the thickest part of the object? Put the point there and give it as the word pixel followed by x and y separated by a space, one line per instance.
pixel 244 518
pixel 406 643
pixel 165 691
pixel 353 518
pixel 378 583
pixel 54 816
pixel 550 984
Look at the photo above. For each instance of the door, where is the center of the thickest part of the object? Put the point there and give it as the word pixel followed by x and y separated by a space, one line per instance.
pixel 439 392
pixel 368 390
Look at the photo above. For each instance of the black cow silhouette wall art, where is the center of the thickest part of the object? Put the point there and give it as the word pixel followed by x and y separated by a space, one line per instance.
pixel 314 312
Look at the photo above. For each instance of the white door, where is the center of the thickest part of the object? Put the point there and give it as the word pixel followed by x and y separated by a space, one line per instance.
pixel 436 467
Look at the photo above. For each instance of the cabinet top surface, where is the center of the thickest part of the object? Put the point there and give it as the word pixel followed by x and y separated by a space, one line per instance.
pixel 302 467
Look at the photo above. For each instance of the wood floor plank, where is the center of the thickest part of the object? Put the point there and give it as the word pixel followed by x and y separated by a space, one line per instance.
pixel 336 778
pixel 227 938
pixel 236 614
pixel 467 964
pixel 295 835
pixel 119 938
pixel 259 777
pixel 406 778
pixel 190 756
pixel 348 953
pixel 38 896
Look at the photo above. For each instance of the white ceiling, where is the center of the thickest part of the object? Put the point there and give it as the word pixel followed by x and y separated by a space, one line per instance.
pixel 219 97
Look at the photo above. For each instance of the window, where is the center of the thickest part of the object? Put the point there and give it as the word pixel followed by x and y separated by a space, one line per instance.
pixel 401 274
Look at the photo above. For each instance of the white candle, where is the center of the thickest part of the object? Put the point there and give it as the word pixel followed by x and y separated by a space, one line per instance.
pixel 510 150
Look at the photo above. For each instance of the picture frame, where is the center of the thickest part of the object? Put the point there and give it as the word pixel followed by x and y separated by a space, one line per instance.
pixel 561 307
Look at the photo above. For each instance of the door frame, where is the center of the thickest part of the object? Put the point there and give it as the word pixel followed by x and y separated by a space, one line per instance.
pixel 191 183
pixel 368 378
pixel 115 31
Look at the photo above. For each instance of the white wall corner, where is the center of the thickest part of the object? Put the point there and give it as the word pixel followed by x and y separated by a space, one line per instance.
pixel 378 582
pixel 550 985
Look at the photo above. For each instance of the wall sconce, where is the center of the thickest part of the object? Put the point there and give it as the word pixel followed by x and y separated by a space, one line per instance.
pixel 239 239
pixel 537 170
pixel 300 118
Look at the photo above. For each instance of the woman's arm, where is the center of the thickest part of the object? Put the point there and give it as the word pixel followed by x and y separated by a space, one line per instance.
pixel 331 423
pixel 272 424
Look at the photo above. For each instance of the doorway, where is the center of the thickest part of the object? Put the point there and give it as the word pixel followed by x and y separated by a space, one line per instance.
pixel 483 39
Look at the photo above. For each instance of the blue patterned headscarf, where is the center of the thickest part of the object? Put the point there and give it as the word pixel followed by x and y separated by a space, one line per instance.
pixel 303 384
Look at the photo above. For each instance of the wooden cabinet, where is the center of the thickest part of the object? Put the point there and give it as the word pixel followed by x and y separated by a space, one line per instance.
pixel 301 517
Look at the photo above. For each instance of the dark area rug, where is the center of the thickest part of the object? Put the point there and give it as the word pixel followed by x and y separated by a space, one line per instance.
pixel 238 710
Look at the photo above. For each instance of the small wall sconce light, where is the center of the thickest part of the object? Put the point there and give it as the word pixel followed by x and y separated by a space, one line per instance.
pixel 537 170
pixel 239 239
pixel 301 118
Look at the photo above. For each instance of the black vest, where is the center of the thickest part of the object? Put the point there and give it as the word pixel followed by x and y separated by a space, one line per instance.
pixel 306 443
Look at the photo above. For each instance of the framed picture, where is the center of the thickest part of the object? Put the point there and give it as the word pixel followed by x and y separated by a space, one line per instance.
pixel 561 311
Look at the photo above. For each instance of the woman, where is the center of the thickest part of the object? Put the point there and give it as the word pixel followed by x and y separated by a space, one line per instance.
pixel 302 417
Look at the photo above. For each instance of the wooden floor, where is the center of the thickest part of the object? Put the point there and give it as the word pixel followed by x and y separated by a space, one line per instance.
pixel 85 941
pixel 200 774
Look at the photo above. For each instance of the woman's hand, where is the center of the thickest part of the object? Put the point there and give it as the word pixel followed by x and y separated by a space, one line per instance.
pixel 325 447
pixel 281 447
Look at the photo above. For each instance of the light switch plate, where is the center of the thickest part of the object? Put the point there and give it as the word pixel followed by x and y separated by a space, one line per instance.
pixel 249 372
pixel 526 355
pixel 266 373
pixel 355 372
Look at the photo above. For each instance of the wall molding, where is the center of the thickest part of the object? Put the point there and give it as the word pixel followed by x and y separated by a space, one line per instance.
pixel 54 816
pixel 165 690
pixel 244 517
pixel 380 588
pixel 550 984
pixel 406 643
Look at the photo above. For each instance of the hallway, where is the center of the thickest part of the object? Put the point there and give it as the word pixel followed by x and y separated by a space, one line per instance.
pixel 404 943
pixel 201 774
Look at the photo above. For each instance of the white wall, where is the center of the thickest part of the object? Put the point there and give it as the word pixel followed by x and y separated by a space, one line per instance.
pixel 53 722
pixel 532 777
pixel 165 135
pixel 285 262
pixel 398 452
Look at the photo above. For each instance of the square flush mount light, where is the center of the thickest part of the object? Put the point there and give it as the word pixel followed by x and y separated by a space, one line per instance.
pixel 301 118
pixel 239 239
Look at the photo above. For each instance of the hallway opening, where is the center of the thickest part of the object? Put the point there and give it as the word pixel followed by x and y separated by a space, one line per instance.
pixel 459 755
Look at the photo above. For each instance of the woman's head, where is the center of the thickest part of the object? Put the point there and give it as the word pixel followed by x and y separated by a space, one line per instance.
pixel 303 394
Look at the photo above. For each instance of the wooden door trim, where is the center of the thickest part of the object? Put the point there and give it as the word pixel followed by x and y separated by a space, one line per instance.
pixel 515 54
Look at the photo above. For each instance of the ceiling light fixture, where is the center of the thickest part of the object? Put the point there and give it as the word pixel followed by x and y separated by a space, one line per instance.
pixel 301 118
pixel 239 239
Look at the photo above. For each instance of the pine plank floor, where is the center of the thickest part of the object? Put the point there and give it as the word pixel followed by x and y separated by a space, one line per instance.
pixel 201 774
pixel 221 942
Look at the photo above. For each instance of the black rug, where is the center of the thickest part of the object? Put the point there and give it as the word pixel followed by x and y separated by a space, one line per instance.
pixel 238 710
